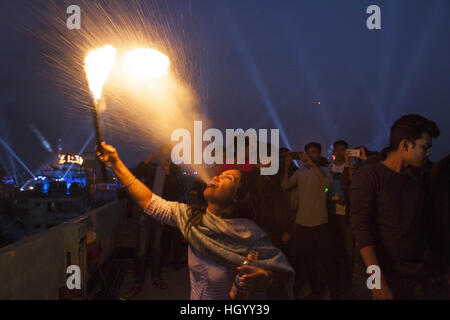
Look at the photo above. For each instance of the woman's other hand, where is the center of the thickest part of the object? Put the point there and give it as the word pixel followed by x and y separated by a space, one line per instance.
pixel 255 279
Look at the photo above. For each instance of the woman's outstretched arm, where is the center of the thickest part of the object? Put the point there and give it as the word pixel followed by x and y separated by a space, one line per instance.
pixel 138 191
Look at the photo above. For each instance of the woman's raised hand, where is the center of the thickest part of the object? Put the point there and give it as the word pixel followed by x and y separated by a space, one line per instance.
pixel 107 154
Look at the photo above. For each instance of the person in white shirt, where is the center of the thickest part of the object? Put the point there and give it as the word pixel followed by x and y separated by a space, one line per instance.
pixel 220 234
pixel 312 236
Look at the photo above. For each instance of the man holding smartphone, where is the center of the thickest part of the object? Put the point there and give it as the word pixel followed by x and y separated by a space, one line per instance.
pixel 338 219
pixel 312 236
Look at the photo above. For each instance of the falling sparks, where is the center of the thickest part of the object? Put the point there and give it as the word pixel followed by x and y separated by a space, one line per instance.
pixel 148 95
pixel 97 65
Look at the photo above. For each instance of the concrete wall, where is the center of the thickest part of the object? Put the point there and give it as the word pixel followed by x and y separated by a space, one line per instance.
pixel 35 267
pixel 104 221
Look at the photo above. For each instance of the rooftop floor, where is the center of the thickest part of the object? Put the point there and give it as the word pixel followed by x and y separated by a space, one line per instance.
pixel 177 280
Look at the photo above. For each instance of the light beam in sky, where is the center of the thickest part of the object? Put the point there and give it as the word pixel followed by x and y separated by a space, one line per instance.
pixel 7 147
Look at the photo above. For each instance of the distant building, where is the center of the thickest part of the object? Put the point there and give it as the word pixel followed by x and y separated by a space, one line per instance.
pixel 61 191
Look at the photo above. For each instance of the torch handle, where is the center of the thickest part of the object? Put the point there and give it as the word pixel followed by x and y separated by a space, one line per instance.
pixel 98 138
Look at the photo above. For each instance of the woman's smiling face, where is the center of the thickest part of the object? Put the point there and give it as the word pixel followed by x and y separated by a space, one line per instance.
pixel 222 188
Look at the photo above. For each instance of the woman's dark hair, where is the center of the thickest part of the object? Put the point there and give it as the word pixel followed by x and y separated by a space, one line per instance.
pixel 411 127
pixel 243 205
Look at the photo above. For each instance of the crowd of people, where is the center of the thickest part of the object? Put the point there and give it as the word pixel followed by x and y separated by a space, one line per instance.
pixel 318 226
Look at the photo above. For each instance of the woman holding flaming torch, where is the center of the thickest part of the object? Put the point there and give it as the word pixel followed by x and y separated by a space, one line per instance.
pixel 220 234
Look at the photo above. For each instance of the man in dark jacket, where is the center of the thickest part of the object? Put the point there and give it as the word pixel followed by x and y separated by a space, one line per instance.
pixel 388 217
pixel 163 178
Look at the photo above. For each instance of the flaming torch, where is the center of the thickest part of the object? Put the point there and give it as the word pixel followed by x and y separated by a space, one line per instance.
pixel 98 65
pixel 146 64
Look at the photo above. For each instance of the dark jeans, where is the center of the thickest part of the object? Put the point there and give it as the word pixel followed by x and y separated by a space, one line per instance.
pixel 150 232
pixel 315 259
pixel 343 244
pixel 172 243
pixel 419 288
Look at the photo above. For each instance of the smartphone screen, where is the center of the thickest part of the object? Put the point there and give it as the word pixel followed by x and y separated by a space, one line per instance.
pixel 354 153
pixel 353 161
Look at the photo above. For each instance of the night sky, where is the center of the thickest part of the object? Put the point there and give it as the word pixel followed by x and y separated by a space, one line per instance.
pixel 264 64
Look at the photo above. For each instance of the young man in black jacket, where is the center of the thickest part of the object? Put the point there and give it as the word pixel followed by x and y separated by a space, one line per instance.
pixel 389 217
